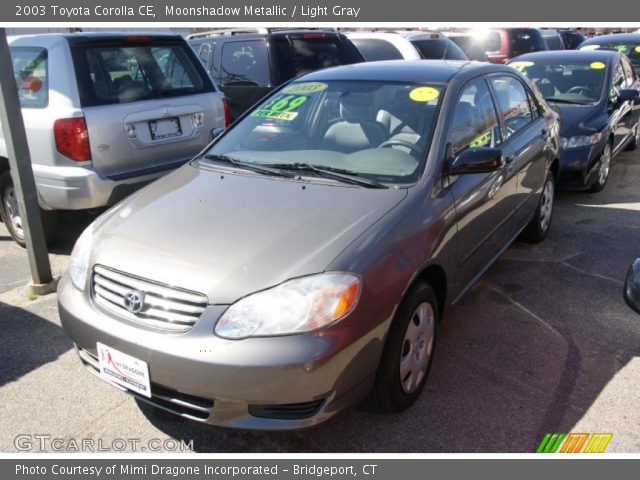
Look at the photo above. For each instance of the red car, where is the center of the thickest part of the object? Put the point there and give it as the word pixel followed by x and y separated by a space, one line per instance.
pixel 503 44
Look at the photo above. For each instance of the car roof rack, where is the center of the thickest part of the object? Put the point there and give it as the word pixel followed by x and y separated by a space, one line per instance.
pixel 240 31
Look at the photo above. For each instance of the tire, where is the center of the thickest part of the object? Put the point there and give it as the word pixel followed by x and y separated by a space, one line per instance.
pixel 11 215
pixel 403 370
pixel 635 142
pixel 604 167
pixel 538 227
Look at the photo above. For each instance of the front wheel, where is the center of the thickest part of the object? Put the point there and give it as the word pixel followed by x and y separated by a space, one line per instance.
pixel 408 352
pixel 538 227
pixel 603 169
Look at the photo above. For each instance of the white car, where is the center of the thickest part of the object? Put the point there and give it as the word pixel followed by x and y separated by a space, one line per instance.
pixel 375 46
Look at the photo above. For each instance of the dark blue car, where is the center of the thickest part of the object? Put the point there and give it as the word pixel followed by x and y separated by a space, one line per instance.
pixel 627 43
pixel 596 94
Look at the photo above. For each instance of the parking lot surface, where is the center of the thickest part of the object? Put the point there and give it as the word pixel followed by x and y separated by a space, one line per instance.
pixel 543 343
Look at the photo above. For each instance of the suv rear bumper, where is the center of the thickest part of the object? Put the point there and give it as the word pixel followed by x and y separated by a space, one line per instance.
pixel 81 188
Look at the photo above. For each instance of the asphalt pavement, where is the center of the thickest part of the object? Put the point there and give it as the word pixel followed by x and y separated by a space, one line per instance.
pixel 542 343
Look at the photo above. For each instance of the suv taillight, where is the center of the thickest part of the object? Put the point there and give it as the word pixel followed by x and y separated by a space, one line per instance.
pixel 72 138
pixel 227 112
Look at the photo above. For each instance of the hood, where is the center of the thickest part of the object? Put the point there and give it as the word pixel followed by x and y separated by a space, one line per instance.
pixel 227 235
pixel 580 119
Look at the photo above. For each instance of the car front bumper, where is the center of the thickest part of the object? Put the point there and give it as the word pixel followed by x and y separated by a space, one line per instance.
pixel 276 383
pixel 578 166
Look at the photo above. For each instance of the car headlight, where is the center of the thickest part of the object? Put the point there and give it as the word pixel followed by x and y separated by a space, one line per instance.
pixel 296 306
pixel 79 262
pixel 580 140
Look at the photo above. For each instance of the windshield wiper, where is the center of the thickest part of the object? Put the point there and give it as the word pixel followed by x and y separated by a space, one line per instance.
pixel 266 170
pixel 340 174
pixel 563 100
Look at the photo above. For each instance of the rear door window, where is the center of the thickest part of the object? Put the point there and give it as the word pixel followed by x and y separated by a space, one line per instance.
pixel 111 74
pixel 245 63
pixel 374 49
pixel 513 104
pixel 31 71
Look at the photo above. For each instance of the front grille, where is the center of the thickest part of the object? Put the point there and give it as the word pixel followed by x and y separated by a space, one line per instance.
pixel 178 403
pixel 164 308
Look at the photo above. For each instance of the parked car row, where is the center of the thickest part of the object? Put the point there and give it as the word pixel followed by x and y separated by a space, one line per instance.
pixel 314 246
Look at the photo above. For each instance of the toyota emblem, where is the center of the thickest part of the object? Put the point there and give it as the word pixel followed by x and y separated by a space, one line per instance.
pixel 134 301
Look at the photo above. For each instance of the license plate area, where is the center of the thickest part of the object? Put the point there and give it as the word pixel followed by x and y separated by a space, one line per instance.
pixel 165 128
pixel 127 371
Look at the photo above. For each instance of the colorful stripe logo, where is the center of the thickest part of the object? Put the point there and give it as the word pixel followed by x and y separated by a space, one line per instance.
pixel 574 443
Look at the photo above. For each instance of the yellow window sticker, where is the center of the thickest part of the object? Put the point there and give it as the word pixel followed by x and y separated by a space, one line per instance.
pixel 481 140
pixel 590 47
pixel 520 66
pixel 305 88
pixel 637 49
pixel 597 65
pixel 423 94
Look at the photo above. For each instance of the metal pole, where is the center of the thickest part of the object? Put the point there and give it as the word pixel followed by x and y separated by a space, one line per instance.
pixel 21 171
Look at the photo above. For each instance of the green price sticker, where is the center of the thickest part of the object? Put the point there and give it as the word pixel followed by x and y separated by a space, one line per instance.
pixel 282 107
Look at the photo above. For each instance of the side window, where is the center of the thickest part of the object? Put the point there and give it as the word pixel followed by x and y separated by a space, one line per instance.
pixel 533 104
pixel 475 123
pixel 245 63
pixel 618 77
pixel 204 54
pixel 374 49
pixel 513 104
pixel 31 71
pixel 628 72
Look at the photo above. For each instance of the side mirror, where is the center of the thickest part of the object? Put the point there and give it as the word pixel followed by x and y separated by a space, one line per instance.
pixel 628 95
pixel 632 286
pixel 216 132
pixel 477 160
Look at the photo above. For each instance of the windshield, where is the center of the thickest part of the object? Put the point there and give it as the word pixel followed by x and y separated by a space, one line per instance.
pixel 375 130
pixel 122 73
pixel 579 83
pixel 632 50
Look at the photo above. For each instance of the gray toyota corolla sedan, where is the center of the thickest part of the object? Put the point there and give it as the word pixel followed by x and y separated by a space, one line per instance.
pixel 302 262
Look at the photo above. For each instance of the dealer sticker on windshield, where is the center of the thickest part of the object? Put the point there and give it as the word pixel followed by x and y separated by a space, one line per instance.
pixel 124 370
pixel 424 94
pixel 305 88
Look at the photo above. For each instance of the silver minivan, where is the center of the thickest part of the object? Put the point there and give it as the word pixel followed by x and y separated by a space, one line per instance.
pixel 105 114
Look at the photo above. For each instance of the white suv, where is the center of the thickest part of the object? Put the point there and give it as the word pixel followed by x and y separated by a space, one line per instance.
pixel 105 114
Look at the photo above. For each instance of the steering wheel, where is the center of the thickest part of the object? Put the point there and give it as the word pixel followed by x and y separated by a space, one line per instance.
pixel 402 143
pixel 580 90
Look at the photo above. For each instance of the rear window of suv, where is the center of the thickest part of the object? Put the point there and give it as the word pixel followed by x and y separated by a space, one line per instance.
pixel 298 54
pixel 120 73
pixel 31 71
pixel 525 40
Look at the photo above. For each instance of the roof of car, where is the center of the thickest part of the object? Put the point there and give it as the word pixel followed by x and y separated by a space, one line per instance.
pixel 613 38
pixel 418 71
pixel 571 56
pixel 44 39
